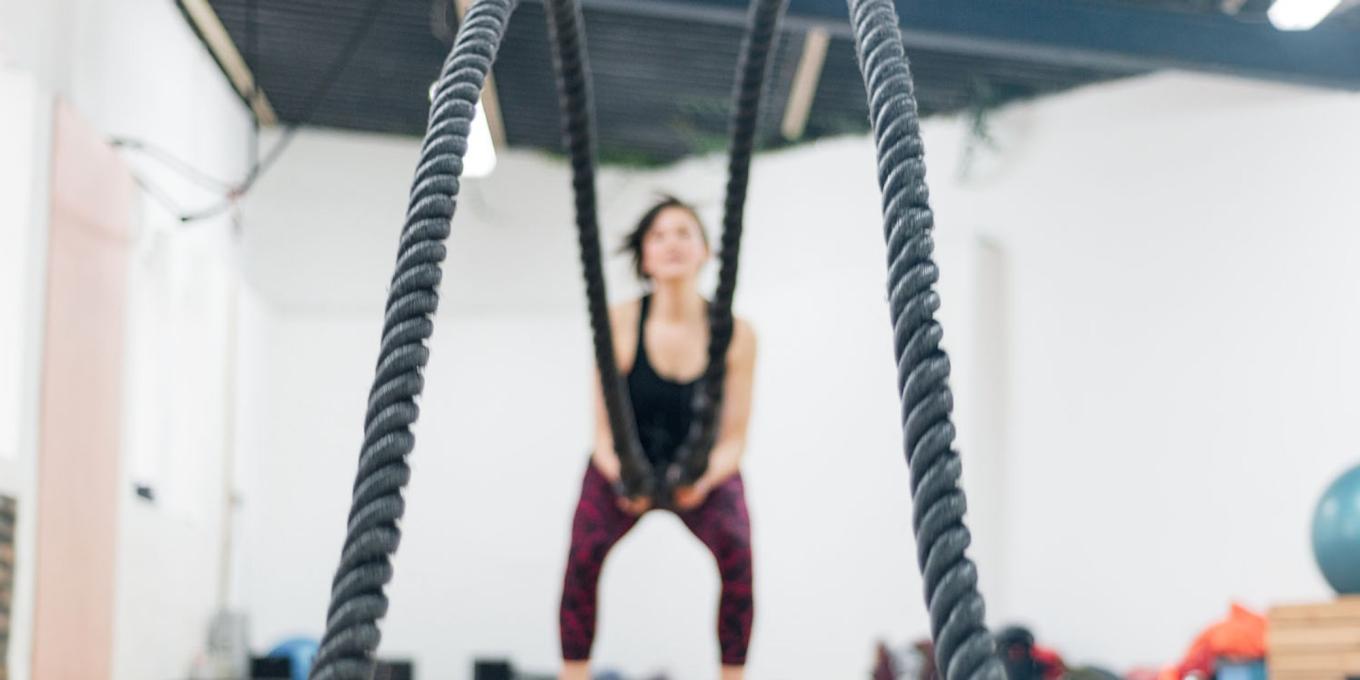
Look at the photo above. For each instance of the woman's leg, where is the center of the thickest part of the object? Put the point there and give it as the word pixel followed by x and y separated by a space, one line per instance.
pixel 723 524
pixel 599 524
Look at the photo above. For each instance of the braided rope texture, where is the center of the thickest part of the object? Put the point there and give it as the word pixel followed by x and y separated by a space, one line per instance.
pixel 357 593
pixel 637 478
pixel 752 71
pixel 963 646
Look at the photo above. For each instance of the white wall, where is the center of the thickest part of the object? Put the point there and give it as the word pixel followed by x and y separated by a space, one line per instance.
pixel 1149 292
pixel 170 552
pixel 1151 470
pixel 35 36
pixel 1184 299
pixel 505 433
pixel 16 235
pixel 25 131
pixel 135 69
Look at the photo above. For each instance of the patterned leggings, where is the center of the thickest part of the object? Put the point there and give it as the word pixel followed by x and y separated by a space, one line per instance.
pixel 721 523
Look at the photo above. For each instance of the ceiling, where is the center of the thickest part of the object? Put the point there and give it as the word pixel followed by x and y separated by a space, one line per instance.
pixel 663 69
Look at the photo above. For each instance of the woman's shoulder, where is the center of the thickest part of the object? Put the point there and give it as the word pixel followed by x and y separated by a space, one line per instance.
pixel 742 326
pixel 625 314
pixel 743 338
pixel 623 321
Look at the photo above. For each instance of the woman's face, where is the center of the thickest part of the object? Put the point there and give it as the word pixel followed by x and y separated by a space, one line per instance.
pixel 674 247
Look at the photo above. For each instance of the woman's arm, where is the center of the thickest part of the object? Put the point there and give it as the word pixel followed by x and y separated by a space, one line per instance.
pixel 725 459
pixel 622 318
pixel 605 458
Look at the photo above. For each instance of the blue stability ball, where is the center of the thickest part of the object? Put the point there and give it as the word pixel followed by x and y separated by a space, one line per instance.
pixel 300 651
pixel 1336 533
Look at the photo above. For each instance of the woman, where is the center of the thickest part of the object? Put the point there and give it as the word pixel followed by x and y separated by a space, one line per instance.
pixel 661 344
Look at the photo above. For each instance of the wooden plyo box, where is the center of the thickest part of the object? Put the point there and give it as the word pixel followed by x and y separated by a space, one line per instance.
pixel 1314 641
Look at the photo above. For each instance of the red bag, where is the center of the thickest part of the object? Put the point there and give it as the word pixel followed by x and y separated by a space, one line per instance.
pixel 1241 636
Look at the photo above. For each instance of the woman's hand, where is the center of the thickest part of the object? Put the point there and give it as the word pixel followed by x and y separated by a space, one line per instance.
pixel 691 497
pixel 609 467
pixel 635 506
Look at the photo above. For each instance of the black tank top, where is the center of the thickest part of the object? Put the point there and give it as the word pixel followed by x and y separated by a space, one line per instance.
pixel 661 406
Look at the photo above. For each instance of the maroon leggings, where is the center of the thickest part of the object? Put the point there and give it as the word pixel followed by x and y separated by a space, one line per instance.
pixel 721 523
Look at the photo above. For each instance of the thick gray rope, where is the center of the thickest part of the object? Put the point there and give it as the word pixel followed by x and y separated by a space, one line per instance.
pixel 637 479
pixel 569 59
pixel 963 647
pixel 753 68
pixel 357 597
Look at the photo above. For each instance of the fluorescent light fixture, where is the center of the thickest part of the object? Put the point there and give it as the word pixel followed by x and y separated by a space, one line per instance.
pixel 481 154
pixel 480 158
pixel 1300 15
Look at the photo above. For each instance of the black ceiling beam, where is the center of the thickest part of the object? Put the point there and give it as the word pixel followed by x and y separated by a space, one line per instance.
pixel 1120 37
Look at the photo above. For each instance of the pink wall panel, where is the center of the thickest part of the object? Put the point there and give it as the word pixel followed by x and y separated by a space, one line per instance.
pixel 82 394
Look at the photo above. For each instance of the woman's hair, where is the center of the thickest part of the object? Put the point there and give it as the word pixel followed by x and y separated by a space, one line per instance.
pixel 632 243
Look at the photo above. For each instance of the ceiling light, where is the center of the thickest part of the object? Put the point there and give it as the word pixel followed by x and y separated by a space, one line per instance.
pixel 480 158
pixel 1300 15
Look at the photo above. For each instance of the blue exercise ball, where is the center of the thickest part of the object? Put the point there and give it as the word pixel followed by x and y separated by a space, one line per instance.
pixel 300 651
pixel 1336 533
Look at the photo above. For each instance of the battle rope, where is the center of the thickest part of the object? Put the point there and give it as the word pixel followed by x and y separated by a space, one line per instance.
pixel 637 479
pixel 569 60
pixel 753 68
pixel 963 646
pixel 357 597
